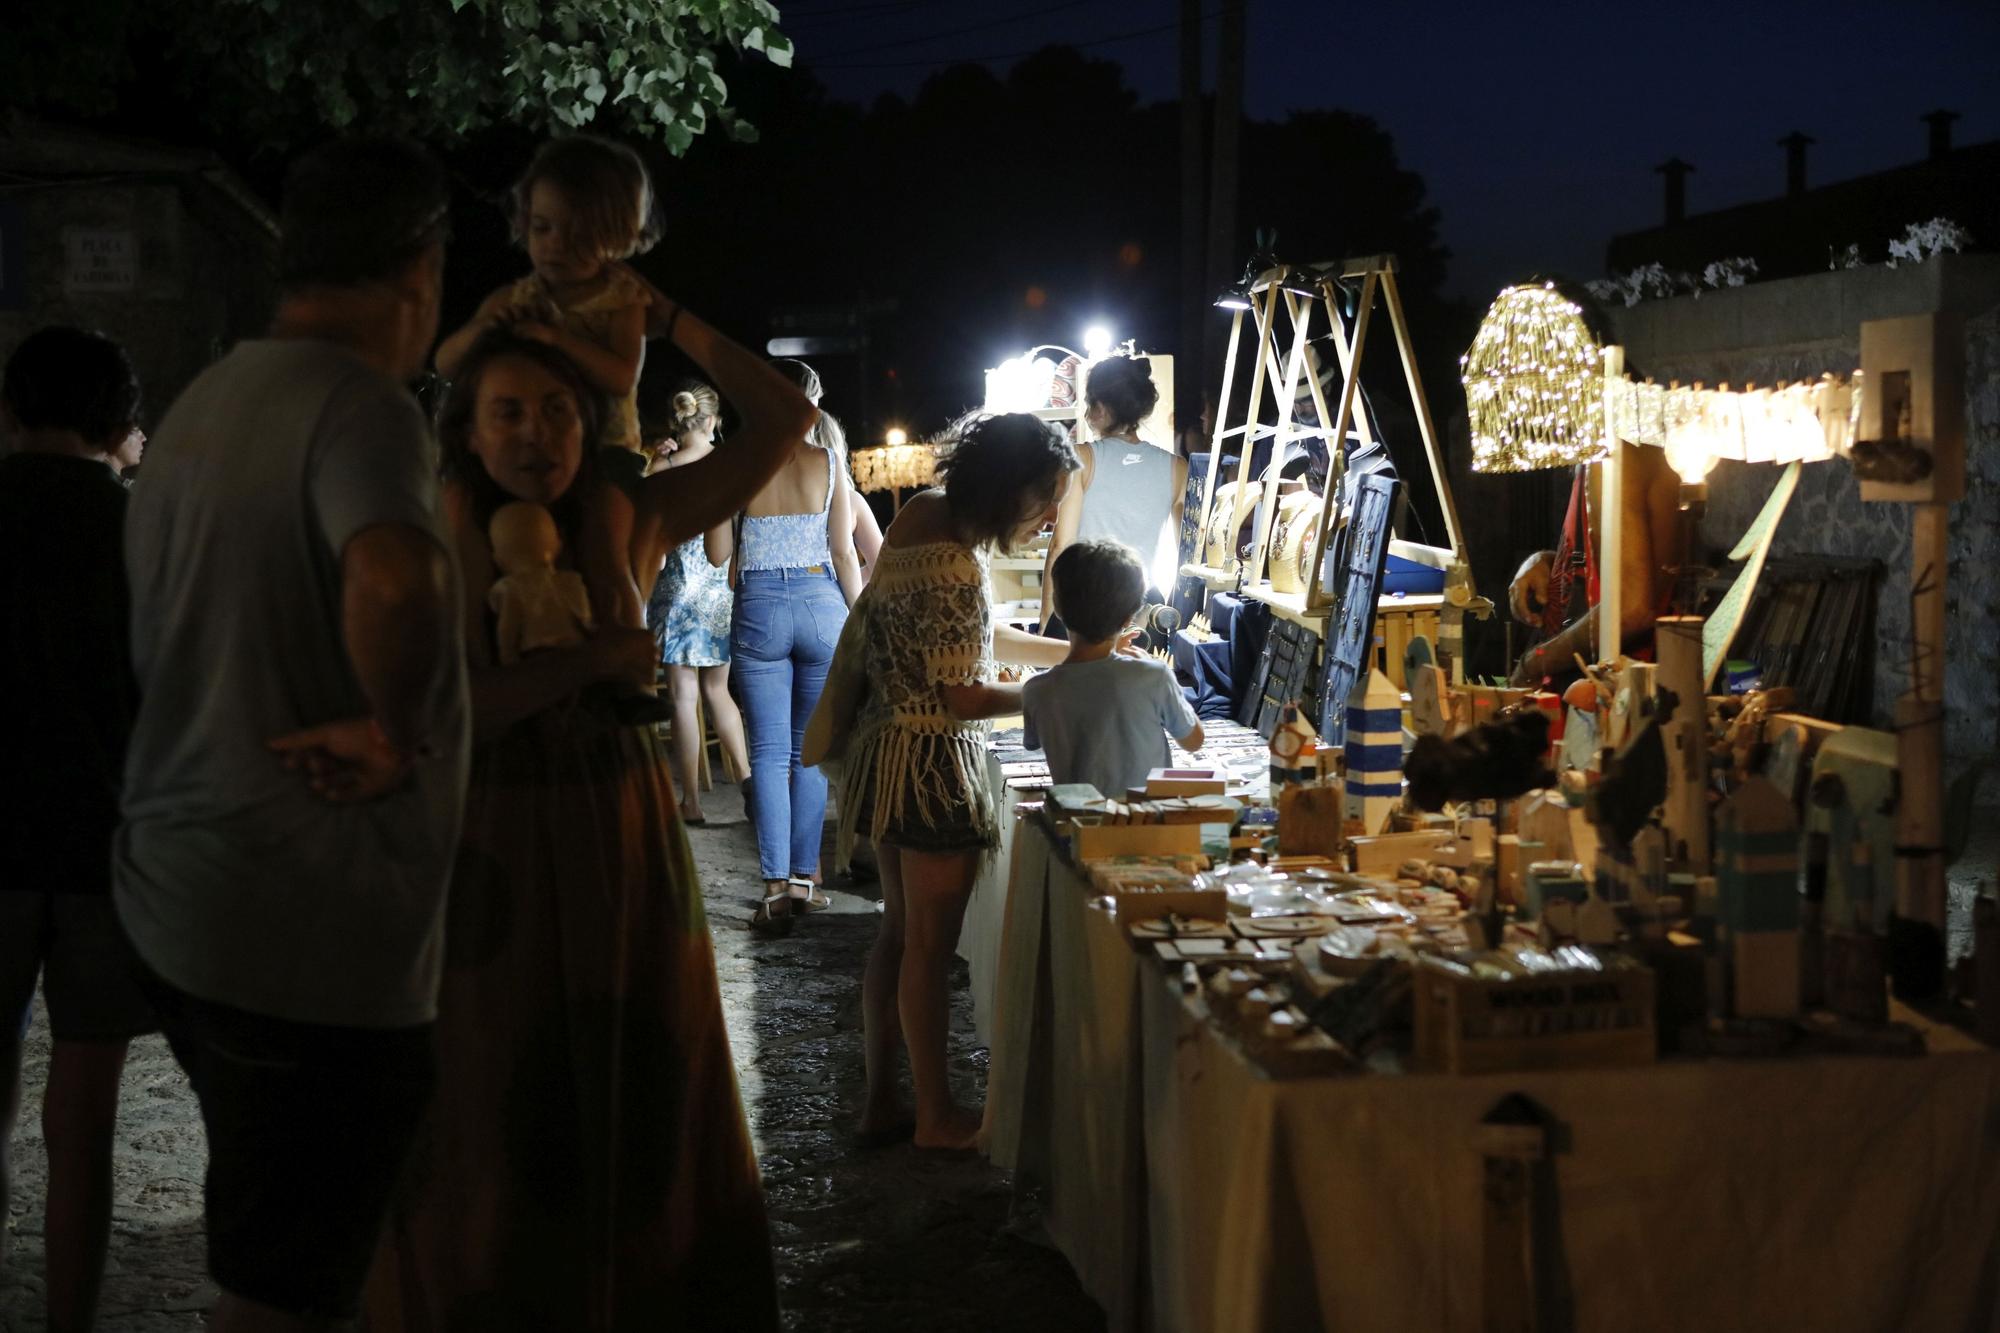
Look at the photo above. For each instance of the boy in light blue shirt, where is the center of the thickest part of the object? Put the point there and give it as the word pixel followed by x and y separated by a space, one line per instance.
pixel 1103 717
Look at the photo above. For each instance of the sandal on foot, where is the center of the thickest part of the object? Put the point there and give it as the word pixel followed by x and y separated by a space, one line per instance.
pixel 774 915
pixel 806 896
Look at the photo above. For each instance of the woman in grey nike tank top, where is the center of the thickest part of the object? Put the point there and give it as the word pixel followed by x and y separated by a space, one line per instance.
pixel 1130 490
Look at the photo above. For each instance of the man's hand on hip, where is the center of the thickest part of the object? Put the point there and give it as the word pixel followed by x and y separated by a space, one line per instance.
pixel 345 762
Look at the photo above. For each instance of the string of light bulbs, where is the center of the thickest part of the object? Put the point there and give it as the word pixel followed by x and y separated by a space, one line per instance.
pixel 1537 397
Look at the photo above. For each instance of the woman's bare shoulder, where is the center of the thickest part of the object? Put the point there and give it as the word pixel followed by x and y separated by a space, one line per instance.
pixel 924 518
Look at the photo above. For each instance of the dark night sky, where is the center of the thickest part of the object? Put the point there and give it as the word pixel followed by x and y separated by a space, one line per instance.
pixel 1534 126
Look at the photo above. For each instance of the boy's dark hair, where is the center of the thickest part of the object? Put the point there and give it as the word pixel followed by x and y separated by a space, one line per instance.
pixel 1124 385
pixel 461 403
pixel 61 378
pixel 606 187
pixel 1097 586
pixel 993 467
pixel 359 209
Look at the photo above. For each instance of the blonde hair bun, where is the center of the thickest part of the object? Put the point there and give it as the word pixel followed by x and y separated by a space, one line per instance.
pixel 685 405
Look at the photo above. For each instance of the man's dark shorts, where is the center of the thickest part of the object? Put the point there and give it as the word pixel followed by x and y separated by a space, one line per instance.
pixel 308 1129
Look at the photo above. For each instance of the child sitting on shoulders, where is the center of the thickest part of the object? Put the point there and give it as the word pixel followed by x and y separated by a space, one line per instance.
pixel 583 207
pixel 1103 717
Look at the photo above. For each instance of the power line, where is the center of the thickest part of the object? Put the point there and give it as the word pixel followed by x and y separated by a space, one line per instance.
pixel 957 32
pixel 804 18
pixel 1011 55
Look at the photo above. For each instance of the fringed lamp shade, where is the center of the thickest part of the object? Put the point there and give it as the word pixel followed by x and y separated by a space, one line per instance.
pixel 895 467
pixel 1534 384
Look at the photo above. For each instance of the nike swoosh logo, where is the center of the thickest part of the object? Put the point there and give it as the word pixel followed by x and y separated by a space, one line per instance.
pixel 1130 459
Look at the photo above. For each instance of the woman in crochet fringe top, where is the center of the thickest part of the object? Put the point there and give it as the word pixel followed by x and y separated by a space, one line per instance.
pixel 915 774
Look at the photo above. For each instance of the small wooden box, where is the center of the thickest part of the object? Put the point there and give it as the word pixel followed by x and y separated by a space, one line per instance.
pixel 1384 852
pixel 1096 842
pixel 1571 1020
pixel 1166 782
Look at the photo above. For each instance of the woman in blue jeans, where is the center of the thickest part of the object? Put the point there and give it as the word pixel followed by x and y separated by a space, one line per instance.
pixel 796 574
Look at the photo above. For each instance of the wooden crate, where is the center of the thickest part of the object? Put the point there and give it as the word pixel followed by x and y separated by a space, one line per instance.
pixel 1400 619
pixel 1571 1020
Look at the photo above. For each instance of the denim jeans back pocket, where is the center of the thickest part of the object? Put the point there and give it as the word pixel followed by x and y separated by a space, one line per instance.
pixel 762 624
pixel 827 611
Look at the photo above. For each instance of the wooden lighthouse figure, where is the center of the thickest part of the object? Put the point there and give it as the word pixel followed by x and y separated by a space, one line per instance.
pixel 1677 641
pixel 1374 751
pixel 1757 891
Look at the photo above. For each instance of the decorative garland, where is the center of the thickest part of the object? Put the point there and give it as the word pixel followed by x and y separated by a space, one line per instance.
pixel 891 467
pixel 1534 384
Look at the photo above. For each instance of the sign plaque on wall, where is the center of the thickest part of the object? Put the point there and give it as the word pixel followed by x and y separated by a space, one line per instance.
pixel 99 260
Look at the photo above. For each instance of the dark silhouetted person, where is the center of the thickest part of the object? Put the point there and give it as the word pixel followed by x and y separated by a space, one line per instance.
pixel 70 406
pixel 294 606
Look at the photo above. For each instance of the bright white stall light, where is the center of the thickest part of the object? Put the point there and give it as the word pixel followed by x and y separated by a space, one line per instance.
pixel 1096 341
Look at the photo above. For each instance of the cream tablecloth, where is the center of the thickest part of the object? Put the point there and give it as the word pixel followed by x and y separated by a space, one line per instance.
pixel 1194 1194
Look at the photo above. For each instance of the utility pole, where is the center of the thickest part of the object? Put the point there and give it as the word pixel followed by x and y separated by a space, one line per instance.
pixel 1223 249
pixel 1196 292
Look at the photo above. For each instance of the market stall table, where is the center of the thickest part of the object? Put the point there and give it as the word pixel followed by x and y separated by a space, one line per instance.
pixel 985 915
pixel 1192 1192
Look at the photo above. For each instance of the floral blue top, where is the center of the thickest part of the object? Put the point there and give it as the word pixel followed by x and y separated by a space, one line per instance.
pixel 790 541
pixel 690 608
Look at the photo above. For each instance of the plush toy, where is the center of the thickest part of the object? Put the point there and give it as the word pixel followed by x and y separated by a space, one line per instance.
pixel 539 606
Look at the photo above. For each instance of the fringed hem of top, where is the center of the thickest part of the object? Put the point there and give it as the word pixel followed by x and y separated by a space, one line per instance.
pixel 924 757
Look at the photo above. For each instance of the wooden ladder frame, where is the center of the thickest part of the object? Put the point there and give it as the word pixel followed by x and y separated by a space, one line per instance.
pixel 1378 277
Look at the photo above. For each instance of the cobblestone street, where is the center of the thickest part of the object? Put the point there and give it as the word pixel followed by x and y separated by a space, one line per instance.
pixel 865 1241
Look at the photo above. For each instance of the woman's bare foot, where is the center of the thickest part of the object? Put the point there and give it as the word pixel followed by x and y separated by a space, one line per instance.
pixel 957 1132
pixel 691 814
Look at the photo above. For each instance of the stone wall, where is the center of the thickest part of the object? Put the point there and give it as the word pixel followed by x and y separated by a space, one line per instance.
pixel 1801 328
pixel 202 277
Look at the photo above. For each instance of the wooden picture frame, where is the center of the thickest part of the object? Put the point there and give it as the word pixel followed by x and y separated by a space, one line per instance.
pixel 1350 631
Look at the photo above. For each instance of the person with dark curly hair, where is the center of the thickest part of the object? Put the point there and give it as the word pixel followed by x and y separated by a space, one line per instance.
pixel 915 778
pixel 1130 491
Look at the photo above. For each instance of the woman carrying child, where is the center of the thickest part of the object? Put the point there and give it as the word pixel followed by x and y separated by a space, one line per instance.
pixel 583 206
pixel 915 767
pixel 585 1163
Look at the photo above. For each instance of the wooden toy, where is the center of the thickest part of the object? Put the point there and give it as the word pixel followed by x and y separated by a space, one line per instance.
pixel 1294 749
pixel 1431 706
pixel 1677 641
pixel 1916 927
pixel 1757 842
pixel 1542 818
pixel 1374 751
pixel 1852 799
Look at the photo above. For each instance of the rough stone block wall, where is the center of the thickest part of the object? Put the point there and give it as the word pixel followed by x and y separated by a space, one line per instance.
pixel 203 277
pixel 1827 517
